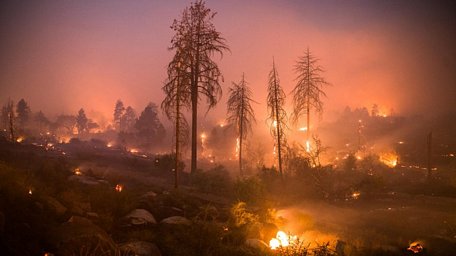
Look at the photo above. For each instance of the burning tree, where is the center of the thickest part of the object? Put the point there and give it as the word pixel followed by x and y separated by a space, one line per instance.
pixel 276 113
pixel 308 91
pixel 240 112
pixel 177 91
pixel 23 114
pixel 119 111
pixel 82 122
pixel 128 120
pixel 8 118
pixel 196 41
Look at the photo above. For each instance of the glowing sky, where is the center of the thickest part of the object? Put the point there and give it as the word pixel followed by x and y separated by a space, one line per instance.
pixel 64 55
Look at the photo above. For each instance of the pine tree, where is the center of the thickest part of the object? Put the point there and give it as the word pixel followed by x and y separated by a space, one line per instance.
pixel 276 114
pixel 308 92
pixel 196 41
pixel 240 113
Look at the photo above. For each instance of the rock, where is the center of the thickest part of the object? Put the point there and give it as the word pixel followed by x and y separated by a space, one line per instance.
pixel 140 217
pixel 80 236
pixel 149 195
pixel 54 205
pixel 257 244
pixel 176 220
pixel 141 248
pixel 84 179
pixel 92 215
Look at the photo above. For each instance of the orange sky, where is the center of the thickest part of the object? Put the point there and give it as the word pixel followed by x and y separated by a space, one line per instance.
pixel 64 55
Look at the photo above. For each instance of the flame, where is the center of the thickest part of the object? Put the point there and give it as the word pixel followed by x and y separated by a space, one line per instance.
pixel 77 171
pixel 356 195
pixel 307 146
pixel 282 240
pixel 119 188
pixel 303 129
pixel 274 123
pixel 20 139
pixel 109 145
pixel 416 247
pixel 133 150
pixel 389 159
pixel 30 192
pixel 237 147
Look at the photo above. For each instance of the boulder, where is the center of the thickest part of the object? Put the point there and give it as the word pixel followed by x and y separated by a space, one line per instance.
pixel 84 179
pixel 176 220
pixel 53 205
pixel 149 195
pixel 79 236
pixel 140 217
pixel 140 248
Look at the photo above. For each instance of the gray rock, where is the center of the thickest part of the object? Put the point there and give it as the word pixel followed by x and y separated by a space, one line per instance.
pixel 54 205
pixel 176 220
pixel 140 217
pixel 84 179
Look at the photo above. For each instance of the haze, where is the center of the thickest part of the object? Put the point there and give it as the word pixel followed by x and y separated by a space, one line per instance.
pixel 64 55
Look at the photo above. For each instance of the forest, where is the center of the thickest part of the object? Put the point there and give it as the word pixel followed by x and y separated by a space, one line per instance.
pixel 167 180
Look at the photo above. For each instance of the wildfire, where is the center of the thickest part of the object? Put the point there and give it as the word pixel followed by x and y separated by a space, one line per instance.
pixel 307 146
pixel 356 195
pixel 303 129
pixel 30 192
pixel 109 145
pixel 119 188
pixel 415 247
pixel 77 171
pixel 133 150
pixel 389 159
pixel 282 240
pixel 20 139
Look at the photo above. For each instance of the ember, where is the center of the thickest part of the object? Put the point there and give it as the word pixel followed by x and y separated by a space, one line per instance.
pixel 119 188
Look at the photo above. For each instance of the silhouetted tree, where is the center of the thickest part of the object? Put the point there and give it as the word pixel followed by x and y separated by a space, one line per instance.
pixel 308 91
pixel 9 119
pixel 4 117
pixel 177 91
pixel 119 111
pixel 240 112
pixel 128 119
pixel 149 126
pixel 196 41
pixel 82 122
pixel 23 114
pixel 67 122
pixel 41 121
pixel 375 111
pixel 276 113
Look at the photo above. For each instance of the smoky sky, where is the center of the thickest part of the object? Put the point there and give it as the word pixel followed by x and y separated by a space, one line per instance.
pixel 64 55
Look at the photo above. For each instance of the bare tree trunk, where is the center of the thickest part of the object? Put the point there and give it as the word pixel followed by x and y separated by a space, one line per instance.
pixel 194 130
pixel 308 103
pixel 241 131
pixel 11 123
pixel 429 154
pixel 279 146
pixel 176 164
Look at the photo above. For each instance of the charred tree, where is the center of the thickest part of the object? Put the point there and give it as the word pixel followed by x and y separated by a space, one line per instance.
pixel 177 91
pixel 240 113
pixel 276 113
pixel 308 92
pixel 197 40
